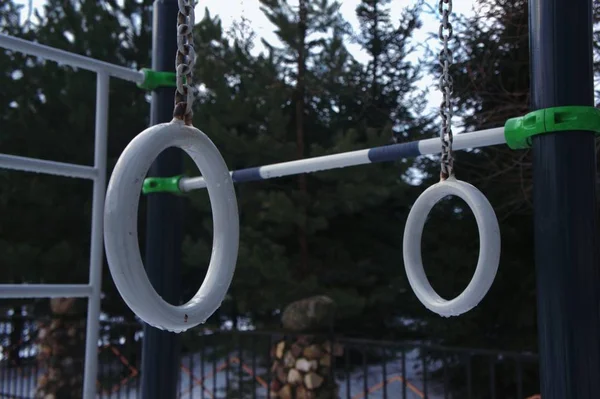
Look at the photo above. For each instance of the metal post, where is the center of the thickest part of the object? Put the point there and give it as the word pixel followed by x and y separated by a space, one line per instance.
pixel 565 207
pixel 161 349
pixel 97 240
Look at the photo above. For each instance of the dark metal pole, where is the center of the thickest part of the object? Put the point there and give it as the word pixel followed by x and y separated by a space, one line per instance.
pixel 161 349
pixel 565 214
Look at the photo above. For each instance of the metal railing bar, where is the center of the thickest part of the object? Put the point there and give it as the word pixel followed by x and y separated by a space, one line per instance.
pixel 67 58
pixel 25 164
pixel 23 291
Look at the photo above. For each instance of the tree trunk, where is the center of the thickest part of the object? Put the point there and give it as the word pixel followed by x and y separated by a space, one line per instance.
pixel 376 53
pixel 61 351
pixel 299 93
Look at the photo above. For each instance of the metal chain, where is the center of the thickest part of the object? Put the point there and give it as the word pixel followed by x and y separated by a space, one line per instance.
pixel 446 87
pixel 184 61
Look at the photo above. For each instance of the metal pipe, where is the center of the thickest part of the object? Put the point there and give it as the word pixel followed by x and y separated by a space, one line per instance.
pixel 66 58
pixel 564 201
pixel 47 167
pixel 481 138
pixel 161 350
pixel 22 291
pixel 97 238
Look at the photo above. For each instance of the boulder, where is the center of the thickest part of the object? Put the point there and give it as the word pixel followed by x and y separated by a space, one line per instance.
pixel 309 314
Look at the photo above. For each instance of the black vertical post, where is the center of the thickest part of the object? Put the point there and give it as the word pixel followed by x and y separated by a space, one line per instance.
pixel 565 215
pixel 161 349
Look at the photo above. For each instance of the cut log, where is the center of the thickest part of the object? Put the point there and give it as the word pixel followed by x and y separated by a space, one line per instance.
pixel 275 387
pixel 303 393
pixel 294 377
pixel 325 360
pixel 312 352
pixel 286 392
pixel 289 360
pixel 279 371
pixel 274 366
pixel 279 349
pixel 313 380
pixel 281 375
pixel 296 349
pixel 304 365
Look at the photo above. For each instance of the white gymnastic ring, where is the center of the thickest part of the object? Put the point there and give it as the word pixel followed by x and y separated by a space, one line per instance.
pixel 489 248
pixel 120 226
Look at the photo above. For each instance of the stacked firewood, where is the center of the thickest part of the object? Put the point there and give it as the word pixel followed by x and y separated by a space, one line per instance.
pixel 302 368
pixel 61 350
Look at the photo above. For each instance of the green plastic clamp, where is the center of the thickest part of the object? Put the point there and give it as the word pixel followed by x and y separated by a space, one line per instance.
pixel 161 185
pixel 518 131
pixel 155 79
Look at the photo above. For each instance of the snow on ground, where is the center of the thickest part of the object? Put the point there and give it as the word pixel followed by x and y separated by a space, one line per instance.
pixel 17 383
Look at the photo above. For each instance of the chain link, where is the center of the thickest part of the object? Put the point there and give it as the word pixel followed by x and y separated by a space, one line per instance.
pixel 446 87
pixel 184 61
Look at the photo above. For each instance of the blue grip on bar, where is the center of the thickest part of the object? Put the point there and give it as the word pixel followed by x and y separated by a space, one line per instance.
pixel 394 152
pixel 245 175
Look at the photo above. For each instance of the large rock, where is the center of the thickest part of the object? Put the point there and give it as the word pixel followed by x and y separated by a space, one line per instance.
pixel 309 314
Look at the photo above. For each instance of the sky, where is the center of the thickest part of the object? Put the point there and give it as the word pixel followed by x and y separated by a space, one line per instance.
pixel 251 10
pixel 232 10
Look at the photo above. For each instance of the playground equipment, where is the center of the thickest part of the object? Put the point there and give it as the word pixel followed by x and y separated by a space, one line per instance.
pixel 122 198
pixel 560 131
pixel 120 230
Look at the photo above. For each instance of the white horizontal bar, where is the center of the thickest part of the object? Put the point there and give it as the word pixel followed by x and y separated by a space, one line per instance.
pixel 290 168
pixel 462 141
pixel 47 167
pixel 67 58
pixel 308 165
pixel 316 164
pixel 45 290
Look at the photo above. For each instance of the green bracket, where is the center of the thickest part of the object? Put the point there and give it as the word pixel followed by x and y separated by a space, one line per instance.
pixel 161 185
pixel 518 131
pixel 155 79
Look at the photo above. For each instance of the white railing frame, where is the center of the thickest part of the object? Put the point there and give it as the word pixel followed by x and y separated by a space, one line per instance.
pixel 104 71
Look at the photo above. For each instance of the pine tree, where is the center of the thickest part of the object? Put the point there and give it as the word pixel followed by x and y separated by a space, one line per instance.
pixel 390 76
pixel 301 32
pixel 241 110
pixel 249 110
pixel 362 210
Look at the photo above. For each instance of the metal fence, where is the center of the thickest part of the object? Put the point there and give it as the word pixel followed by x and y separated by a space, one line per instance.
pixel 236 364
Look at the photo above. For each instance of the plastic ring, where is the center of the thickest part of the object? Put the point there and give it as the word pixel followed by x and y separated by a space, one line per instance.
pixel 489 247
pixel 120 227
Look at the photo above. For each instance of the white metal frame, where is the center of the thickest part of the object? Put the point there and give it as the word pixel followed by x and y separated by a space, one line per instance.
pixel 104 71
